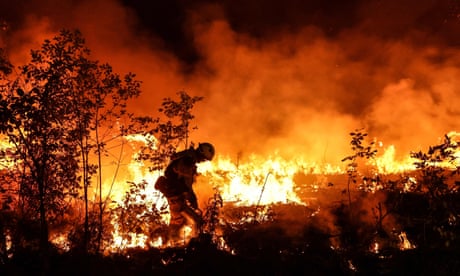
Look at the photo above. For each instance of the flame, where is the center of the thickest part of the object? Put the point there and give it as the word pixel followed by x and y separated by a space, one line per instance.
pixel 133 242
pixel 405 244
pixel 60 241
pixel 258 181
pixel 311 77
pixel 7 162
pixel 375 248
pixel 387 163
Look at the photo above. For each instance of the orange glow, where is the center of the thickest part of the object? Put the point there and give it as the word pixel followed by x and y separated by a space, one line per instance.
pixel 258 181
pixel 278 108
pixel 405 244
pixel 262 181
pixel 6 162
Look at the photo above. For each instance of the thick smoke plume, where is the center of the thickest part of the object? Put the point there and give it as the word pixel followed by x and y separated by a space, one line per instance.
pixel 291 80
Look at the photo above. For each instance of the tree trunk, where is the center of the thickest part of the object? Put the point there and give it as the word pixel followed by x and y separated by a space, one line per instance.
pixel 99 165
pixel 44 246
pixel 85 192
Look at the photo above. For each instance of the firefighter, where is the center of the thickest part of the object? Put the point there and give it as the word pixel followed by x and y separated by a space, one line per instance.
pixel 176 185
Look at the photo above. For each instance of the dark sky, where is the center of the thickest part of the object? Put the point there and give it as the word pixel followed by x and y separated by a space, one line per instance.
pixel 168 19
pixel 258 18
pixel 438 20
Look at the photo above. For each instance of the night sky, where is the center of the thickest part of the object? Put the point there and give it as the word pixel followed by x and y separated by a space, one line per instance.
pixel 169 20
pixel 261 19
pixel 287 76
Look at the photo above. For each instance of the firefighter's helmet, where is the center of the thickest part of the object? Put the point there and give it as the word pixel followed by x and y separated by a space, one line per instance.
pixel 206 150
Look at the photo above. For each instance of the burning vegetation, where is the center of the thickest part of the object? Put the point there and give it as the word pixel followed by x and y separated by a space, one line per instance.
pixel 77 187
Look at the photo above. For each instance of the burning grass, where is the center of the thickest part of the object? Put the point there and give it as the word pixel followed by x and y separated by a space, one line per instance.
pixel 282 222
pixel 383 232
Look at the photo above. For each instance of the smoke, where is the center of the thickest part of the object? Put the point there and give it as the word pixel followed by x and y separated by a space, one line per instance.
pixel 301 93
pixel 111 33
pixel 291 80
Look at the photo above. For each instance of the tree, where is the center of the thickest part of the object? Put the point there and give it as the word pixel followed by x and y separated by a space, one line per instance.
pixel 436 168
pixel 110 120
pixel 63 108
pixel 7 180
pixel 171 131
pixel 38 115
pixel 100 100
pixel 359 151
